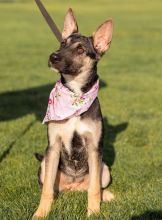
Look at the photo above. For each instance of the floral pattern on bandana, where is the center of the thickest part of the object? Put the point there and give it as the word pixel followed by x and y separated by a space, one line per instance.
pixel 64 104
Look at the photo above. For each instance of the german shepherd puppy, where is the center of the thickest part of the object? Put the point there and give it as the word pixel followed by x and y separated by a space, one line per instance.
pixel 73 159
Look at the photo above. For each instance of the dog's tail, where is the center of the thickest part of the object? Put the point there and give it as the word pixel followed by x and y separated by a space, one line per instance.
pixel 38 156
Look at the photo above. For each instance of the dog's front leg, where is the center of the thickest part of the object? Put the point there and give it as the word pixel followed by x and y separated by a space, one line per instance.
pixel 51 167
pixel 94 188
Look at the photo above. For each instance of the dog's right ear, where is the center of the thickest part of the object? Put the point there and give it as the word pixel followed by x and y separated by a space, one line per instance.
pixel 70 24
pixel 103 36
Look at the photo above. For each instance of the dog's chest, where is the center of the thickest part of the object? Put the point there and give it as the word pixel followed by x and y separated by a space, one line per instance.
pixel 72 133
pixel 74 157
pixel 67 129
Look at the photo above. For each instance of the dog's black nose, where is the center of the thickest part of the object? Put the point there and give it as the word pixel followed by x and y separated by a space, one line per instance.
pixel 54 58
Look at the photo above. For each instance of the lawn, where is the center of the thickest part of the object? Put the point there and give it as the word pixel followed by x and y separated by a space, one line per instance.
pixel 130 96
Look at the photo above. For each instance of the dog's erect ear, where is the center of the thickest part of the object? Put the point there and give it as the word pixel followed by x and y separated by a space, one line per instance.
pixel 70 24
pixel 103 36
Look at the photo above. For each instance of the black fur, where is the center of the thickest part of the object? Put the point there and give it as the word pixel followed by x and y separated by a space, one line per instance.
pixel 91 80
pixel 76 163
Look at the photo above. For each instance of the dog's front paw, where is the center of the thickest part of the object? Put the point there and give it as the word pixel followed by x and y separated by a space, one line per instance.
pixel 40 213
pixel 43 210
pixel 93 211
pixel 93 207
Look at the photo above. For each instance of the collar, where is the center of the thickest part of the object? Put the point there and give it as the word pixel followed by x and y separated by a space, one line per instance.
pixel 64 103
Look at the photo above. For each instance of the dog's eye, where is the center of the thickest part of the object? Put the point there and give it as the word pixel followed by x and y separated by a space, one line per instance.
pixel 80 50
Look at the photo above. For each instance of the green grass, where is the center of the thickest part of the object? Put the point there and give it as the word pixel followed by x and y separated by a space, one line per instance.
pixel 131 100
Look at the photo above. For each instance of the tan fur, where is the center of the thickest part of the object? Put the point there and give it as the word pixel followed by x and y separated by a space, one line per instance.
pixel 70 24
pixel 103 36
pixel 51 167
pixel 94 163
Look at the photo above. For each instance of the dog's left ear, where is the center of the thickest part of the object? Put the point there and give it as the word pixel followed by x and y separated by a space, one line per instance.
pixel 70 24
pixel 103 36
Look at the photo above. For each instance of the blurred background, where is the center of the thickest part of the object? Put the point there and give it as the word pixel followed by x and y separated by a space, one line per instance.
pixel 130 96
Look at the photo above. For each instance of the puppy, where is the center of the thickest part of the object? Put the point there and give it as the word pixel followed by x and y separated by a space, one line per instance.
pixel 73 159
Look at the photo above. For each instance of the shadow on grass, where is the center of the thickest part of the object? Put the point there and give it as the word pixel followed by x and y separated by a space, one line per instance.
pixel 149 215
pixel 110 135
pixel 7 151
pixel 19 103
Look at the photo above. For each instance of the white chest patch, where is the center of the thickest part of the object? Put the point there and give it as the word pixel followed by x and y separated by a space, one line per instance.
pixel 66 130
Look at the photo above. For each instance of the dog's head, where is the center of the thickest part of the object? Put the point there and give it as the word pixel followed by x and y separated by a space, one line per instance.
pixel 77 53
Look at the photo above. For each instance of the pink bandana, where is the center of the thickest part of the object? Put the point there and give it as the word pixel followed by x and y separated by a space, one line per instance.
pixel 64 103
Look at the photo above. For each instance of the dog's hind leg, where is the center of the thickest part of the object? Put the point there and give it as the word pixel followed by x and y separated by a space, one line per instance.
pixel 105 175
pixel 105 180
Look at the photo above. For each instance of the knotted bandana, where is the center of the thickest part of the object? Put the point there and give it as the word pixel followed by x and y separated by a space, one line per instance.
pixel 64 104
